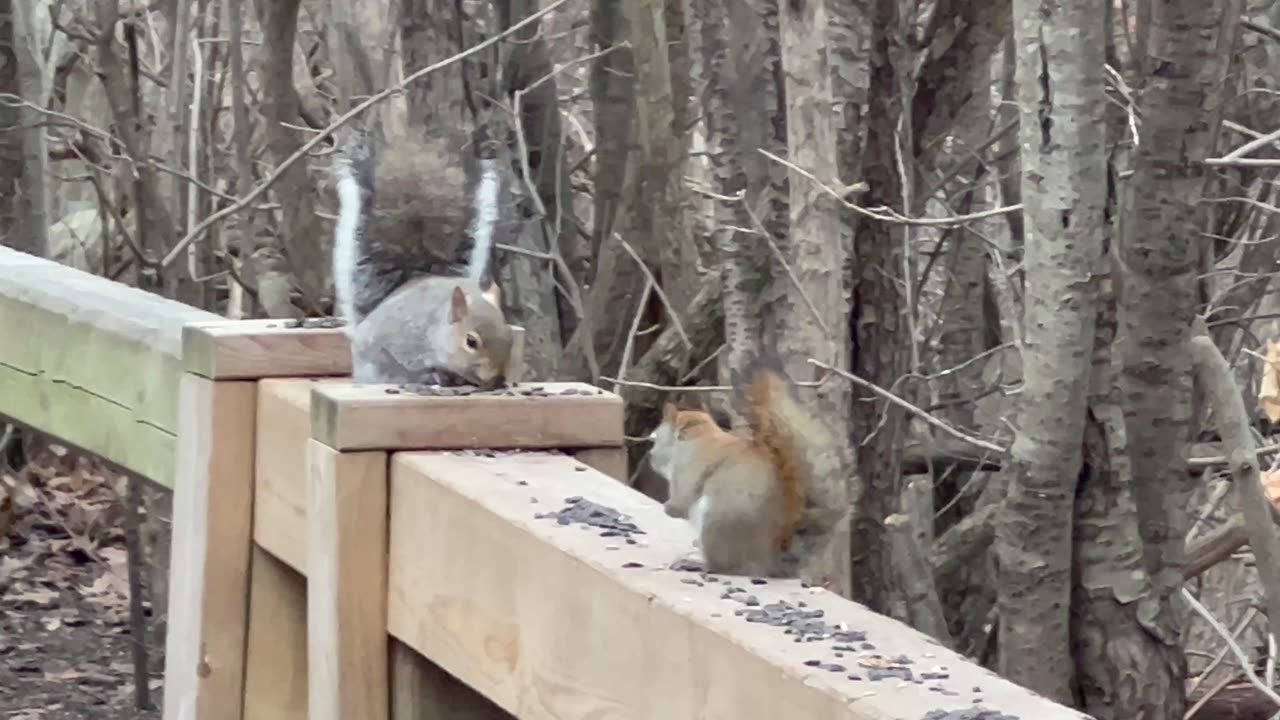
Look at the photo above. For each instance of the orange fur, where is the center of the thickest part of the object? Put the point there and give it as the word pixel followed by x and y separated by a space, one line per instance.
pixel 770 444
pixel 761 399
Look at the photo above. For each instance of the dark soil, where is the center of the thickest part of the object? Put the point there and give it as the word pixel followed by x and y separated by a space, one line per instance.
pixel 65 641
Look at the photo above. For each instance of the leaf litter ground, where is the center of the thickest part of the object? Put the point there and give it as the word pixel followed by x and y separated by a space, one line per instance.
pixel 65 643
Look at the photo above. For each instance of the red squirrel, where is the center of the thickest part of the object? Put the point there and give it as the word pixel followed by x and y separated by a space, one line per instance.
pixel 747 495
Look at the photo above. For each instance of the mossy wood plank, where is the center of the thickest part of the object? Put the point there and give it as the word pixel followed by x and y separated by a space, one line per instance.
pixel 92 362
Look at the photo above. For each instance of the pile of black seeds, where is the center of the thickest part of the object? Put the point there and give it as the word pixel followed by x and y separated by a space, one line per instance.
pixel 611 523
pixel 971 713
pixel 324 323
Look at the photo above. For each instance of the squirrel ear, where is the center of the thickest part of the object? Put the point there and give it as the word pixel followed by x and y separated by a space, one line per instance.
pixel 493 294
pixel 669 412
pixel 457 305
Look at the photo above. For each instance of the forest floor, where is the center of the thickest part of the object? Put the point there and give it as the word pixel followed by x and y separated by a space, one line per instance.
pixel 65 642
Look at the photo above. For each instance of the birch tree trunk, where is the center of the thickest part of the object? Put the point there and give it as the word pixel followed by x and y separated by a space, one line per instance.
pixel 1061 96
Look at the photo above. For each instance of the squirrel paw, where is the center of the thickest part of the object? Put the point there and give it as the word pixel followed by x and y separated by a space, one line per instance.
pixel 688 563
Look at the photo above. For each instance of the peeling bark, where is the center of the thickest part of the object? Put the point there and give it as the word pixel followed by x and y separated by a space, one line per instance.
pixel 1061 96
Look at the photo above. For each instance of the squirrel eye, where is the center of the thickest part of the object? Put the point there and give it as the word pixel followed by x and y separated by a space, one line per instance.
pixel 473 341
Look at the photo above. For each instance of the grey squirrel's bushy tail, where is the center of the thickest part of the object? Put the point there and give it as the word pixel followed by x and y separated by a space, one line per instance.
pixel 407 208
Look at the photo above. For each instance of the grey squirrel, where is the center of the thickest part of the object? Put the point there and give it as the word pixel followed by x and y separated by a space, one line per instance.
pixel 749 497
pixel 412 263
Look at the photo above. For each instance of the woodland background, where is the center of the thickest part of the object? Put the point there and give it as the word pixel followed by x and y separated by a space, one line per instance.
pixel 1020 254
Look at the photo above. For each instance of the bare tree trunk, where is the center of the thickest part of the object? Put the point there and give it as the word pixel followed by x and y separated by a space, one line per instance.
pixel 135 136
pixel 1061 96
pixel 879 324
pixel 744 114
pixel 657 221
pixel 11 165
pixel 31 231
pixel 1181 106
pixel 812 247
pixel 174 137
pixel 246 223
pixel 1119 661
pixel 613 88
pixel 303 240
pixel 429 33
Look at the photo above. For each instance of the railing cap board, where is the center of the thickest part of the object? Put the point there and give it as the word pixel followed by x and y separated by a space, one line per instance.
pixel 278 348
pixel 552 620
pixel 350 417
pixel 255 349
pixel 92 362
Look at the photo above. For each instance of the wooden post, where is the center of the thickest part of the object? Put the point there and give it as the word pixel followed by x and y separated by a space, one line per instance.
pixel 422 690
pixel 209 635
pixel 212 517
pixel 347 584
pixel 275 682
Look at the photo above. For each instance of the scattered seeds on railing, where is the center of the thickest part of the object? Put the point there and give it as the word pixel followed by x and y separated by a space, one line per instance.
pixel 971 713
pixel 891 673
pixel 632 565
pixel 590 514
pixel 326 323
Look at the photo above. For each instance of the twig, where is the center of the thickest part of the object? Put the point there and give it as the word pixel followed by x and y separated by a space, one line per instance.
pixel 675 317
pixel 343 119
pixel 758 228
pixel 572 290
pixel 1211 460
pixel 1245 149
pixel 892 216
pixel 935 422
pixel 795 281
pixel 1240 654
pixel 635 327
pixel 704 362
pixel 1270 32
pixel 1204 699
pixel 1241 624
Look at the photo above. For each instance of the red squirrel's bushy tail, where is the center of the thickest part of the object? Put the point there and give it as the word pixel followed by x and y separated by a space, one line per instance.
pixel 802 449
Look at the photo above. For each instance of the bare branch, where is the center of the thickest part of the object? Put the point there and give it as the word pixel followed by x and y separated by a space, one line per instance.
pixel 343 119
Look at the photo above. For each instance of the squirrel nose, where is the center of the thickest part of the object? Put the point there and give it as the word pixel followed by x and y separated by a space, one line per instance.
pixel 500 380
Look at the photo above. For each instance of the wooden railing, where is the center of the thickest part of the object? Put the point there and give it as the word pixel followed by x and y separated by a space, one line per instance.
pixel 364 552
